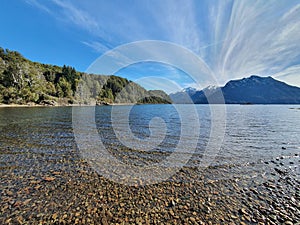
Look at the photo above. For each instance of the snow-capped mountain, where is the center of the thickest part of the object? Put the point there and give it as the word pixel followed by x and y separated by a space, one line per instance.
pixel 251 90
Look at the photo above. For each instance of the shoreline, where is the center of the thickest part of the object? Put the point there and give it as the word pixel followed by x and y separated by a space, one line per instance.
pixel 19 106
pixel 120 104
pixel 70 105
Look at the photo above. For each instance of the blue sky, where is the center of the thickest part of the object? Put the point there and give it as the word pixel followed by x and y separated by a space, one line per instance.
pixel 233 38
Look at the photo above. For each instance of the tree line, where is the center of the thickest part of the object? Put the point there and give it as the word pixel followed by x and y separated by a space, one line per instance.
pixel 23 81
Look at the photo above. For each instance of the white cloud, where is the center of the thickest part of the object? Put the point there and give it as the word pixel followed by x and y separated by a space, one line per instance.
pixel 77 16
pixel 290 75
pixel 194 85
pixel 67 12
pixel 258 41
pixel 97 46
pixel 159 83
pixel 234 38
pixel 39 5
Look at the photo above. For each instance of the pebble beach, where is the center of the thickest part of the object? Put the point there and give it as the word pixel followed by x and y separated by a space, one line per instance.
pixel 75 194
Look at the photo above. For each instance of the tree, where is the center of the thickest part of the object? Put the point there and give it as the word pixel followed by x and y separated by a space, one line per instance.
pixel 9 95
pixel 2 52
pixel 50 89
pixel 12 77
pixel 106 94
pixel 70 74
pixel 49 76
pixel 59 91
pixel 65 87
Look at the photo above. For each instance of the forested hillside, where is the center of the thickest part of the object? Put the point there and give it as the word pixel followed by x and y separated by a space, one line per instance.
pixel 25 82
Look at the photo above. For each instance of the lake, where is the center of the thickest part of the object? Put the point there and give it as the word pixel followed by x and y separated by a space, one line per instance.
pixel 42 138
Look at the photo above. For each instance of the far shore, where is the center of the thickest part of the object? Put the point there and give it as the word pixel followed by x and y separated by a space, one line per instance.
pixel 111 104
pixel 58 105
pixel 17 105
pixel 29 105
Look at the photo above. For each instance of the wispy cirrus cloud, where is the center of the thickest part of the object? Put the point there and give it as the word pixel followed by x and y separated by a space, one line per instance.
pixel 159 83
pixel 39 5
pixel 233 38
pixel 77 16
pixel 260 39
pixel 289 75
pixel 66 11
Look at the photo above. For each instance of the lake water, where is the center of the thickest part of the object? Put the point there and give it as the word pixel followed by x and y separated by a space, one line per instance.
pixel 42 138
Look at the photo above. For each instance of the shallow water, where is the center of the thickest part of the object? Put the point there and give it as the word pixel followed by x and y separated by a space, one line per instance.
pixel 42 138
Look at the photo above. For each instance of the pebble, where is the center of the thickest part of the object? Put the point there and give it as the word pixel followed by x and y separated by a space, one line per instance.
pixel 9 193
pixel 206 209
pixel 49 178
pixel 233 216
pixel 172 203
pixel 243 211
pixel 192 219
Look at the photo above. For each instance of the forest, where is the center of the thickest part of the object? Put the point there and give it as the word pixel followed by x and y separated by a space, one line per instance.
pixel 25 82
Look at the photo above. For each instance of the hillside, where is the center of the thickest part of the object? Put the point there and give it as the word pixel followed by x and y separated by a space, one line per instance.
pixel 251 90
pixel 25 82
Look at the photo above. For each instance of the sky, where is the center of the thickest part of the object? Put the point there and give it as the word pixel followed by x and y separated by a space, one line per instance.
pixel 232 39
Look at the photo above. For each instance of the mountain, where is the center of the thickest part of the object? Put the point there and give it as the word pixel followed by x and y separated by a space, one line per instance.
pixel 183 96
pixel 251 90
pixel 260 90
pixel 208 91
pixel 25 82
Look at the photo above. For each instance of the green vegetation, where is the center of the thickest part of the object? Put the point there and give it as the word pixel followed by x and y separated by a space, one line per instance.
pixel 23 81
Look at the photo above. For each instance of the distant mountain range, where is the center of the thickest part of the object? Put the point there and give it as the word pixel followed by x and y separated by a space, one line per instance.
pixel 251 90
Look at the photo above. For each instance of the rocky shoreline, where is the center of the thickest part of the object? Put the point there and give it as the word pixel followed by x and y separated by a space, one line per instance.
pixel 62 105
pixel 74 194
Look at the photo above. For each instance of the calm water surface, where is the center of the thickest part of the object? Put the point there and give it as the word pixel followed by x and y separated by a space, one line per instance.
pixel 42 138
